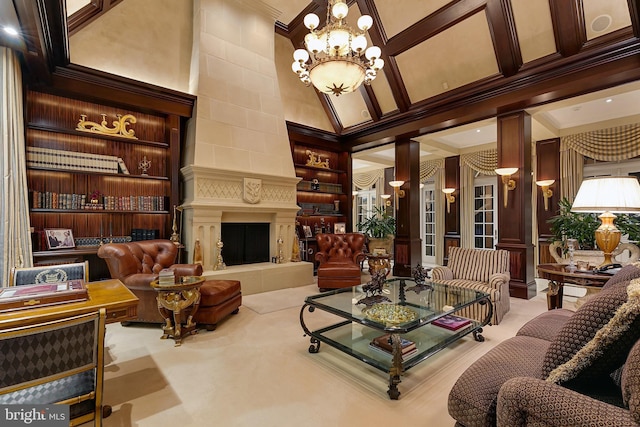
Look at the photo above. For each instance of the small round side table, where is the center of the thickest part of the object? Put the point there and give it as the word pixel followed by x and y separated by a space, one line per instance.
pixel 172 299
pixel 378 262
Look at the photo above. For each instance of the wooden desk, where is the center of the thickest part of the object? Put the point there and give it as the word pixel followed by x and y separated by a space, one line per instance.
pixel 559 274
pixel 121 305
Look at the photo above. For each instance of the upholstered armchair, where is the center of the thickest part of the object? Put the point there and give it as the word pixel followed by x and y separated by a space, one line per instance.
pixel 482 270
pixel 339 256
pixel 137 264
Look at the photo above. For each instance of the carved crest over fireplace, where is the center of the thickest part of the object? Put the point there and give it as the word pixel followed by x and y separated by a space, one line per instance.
pixel 252 190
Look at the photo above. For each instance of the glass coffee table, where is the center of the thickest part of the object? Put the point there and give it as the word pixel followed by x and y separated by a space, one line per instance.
pixel 411 318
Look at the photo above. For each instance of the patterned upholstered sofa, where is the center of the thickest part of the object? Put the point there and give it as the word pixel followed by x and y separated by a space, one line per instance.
pixel 483 270
pixel 562 368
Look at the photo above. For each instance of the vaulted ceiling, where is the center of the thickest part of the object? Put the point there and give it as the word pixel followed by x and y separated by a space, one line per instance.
pixel 453 66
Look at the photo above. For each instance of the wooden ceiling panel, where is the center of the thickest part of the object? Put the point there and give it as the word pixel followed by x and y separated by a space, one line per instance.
pixel 398 15
pixel 602 17
pixel 429 69
pixel 535 29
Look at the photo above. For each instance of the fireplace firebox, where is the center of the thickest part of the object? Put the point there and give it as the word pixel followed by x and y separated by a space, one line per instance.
pixel 245 243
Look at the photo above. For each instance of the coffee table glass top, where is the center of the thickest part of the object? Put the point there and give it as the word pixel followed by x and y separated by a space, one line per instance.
pixel 402 306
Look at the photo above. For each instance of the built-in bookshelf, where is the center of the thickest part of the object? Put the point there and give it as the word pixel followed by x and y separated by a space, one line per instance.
pixel 101 186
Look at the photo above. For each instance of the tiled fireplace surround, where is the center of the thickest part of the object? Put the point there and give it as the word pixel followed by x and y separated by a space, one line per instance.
pixel 217 196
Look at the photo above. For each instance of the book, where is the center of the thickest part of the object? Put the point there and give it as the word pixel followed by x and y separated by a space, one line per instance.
pixel 166 277
pixel 407 351
pixel 384 342
pixel 123 166
pixel 42 294
pixel 451 322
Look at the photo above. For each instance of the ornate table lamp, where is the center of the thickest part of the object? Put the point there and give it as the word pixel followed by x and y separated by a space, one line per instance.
pixel 608 194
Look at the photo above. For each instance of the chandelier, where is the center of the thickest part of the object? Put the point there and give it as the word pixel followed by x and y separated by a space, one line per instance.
pixel 336 65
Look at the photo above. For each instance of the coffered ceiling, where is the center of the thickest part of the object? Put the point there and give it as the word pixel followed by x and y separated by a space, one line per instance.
pixel 453 65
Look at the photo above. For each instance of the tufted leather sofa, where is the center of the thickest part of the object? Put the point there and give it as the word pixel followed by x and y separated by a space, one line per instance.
pixel 481 270
pixel 339 256
pixel 562 368
pixel 137 264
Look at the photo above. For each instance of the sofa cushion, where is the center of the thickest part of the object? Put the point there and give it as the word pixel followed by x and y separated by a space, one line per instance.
pixel 631 382
pixel 608 349
pixel 546 325
pixel 626 274
pixel 472 400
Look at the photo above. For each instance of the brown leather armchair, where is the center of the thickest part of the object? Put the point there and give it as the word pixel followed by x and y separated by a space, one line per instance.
pixel 137 264
pixel 339 256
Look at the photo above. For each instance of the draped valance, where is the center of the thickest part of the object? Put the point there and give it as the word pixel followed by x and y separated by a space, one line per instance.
pixel 429 168
pixel 365 180
pixel 481 161
pixel 617 143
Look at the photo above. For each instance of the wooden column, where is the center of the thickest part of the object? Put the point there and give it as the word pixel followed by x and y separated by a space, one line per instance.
pixel 452 218
pixel 514 220
pixel 407 244
pixel 547 167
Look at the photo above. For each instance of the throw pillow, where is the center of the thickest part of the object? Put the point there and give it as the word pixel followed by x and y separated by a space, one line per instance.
pixel 631 382
pixel 609 347
pixel 583 325
pixel 626 274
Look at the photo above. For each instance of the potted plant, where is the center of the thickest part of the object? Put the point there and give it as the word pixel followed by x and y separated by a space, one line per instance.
pixel 380 228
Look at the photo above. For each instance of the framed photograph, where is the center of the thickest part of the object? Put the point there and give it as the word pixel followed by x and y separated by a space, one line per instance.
pixel 340 228
pixel 307 231
pixel 59 238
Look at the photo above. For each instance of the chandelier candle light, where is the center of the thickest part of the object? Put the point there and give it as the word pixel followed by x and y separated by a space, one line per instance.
pixel 333 61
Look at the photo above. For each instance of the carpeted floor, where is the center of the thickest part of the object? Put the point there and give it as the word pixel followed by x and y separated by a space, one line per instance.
pixel 255 370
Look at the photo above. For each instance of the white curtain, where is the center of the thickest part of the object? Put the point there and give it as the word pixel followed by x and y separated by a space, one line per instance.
pixel 15 237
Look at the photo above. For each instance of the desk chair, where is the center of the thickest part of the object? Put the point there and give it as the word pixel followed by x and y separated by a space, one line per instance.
pixel 38 367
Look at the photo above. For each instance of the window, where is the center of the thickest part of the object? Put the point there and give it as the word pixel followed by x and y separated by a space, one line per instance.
pixel 429 224
pixel 364 204
pixel 485 221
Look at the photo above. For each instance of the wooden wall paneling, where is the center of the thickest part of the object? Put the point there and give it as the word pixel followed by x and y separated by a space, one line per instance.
pixel 451 218
pixel 514 220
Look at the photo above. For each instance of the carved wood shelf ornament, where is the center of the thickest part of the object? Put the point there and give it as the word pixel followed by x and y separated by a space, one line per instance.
pixel 119 126
pixel 315 160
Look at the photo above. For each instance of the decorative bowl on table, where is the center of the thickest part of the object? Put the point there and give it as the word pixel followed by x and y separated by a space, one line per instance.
pixel 390 313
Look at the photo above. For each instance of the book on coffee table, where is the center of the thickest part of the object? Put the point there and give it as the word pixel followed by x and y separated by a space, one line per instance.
pixel 451 322
pixel 384 345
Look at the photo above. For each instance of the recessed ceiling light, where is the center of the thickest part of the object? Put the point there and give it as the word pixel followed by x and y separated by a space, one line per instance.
pixel 477 130
pixel 10 30
pixel 609 100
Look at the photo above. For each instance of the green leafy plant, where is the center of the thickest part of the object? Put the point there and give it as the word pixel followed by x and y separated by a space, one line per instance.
pixel 379 225
pixel 582 226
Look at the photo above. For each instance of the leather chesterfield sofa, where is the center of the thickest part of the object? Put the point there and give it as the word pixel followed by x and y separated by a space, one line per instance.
pixel 137 264
pixel 339 256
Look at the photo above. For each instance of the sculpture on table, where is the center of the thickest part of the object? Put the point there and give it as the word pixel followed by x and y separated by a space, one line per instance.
pixel 420 275
pixel 373 290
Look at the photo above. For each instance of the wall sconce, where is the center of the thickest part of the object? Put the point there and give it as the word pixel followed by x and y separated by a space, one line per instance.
pixel 448 193
pixel 546 192
pixel 396 188
pixel 508 183
pixel 386 198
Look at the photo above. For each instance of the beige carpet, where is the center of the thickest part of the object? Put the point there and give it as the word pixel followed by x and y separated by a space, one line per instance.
pixel 282 299
pixel 255 370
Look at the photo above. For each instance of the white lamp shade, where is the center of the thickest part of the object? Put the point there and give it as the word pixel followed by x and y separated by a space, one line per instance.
pixel 340 10
pixel 372 53
pixel 448 190
pixel 545 182
pixel 396 184
pixel 506 171
pixel 618 194
pixel 313 43
pixel 359 44
pixel 296 67
pixel 311 21
pixel 378 64
pixel 301 55
pixel 365 22
pixel 339 42
pixel 337 74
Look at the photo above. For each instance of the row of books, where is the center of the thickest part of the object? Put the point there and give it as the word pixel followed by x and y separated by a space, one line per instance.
pixel 66 201
pixel 321 186
pixel 138 234
pixel 134 203
pixel 72 160
pixel 384 343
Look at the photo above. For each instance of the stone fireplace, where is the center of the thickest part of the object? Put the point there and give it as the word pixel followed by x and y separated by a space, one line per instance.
pixel 237 165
